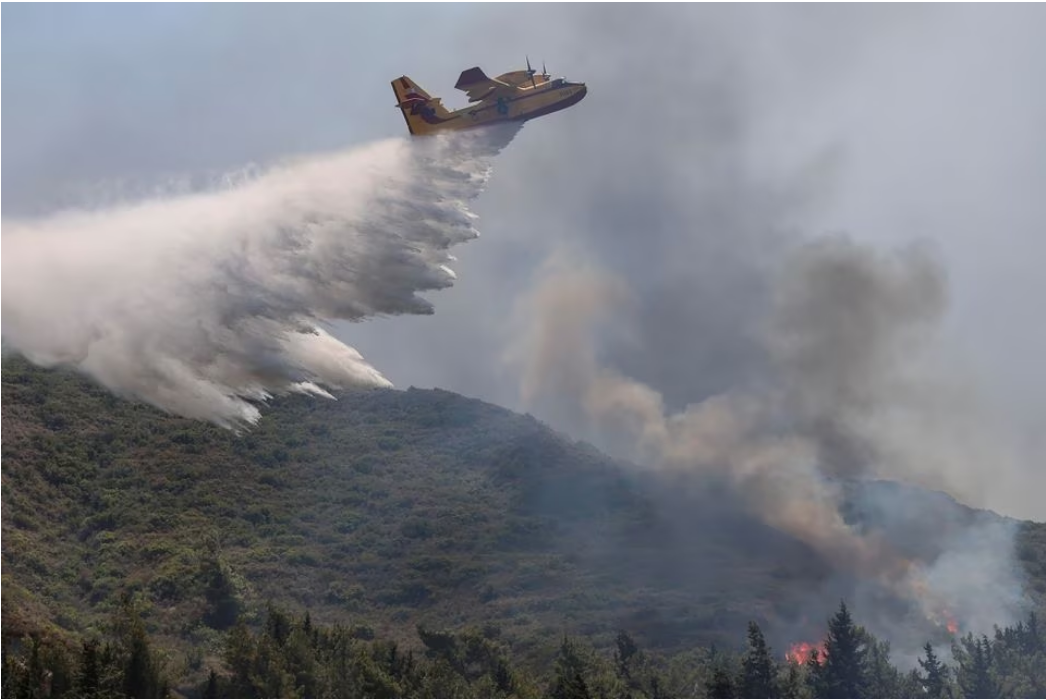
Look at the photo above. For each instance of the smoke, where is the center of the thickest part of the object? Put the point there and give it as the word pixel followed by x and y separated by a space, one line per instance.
pixel 205 304
pixel 829 359
pixel 844 328
pixel 695 327
pixel 847 326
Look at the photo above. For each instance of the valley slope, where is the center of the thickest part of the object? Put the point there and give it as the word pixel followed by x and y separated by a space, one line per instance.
pixel 383 509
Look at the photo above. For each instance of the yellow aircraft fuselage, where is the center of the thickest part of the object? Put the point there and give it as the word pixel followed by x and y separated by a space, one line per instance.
pixel 511 97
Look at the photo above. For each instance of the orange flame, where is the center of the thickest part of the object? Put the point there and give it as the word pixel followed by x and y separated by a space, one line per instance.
pixel 801 652
pixel 945 619
pixel 951 624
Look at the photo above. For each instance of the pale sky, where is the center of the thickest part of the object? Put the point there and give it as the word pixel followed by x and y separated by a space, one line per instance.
pixel 121 91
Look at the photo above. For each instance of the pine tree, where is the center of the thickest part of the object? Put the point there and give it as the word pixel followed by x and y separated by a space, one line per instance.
pixel 89 678
pixel 7 684
pixel 141 669
pixel 277 624
pixel 626 649
pixel 845 650
pixel 792 685
pixel 936 678
pixel 882 679
pixel 239 659
pixel 975 669
pixel 223 598
pixel 1035 641
pixel 815 674
pixel 569 680
pixel 31 679
pixel 757 667
pixel 141 679
pixel 211 691
pixel 504 683
pixel 721 684
pixel 634 672
pixel 912 685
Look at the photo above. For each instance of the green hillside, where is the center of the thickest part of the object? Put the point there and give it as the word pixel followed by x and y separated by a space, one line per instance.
pixel 381 510
pixel 384 508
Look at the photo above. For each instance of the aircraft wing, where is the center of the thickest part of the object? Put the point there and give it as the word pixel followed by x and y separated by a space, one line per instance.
pixel 479 87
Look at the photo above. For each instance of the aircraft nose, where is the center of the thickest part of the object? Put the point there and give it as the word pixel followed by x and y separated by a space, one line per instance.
pixel 584 90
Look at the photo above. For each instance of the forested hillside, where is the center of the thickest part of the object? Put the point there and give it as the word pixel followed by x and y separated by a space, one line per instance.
pixel 376 513
pixel 383 508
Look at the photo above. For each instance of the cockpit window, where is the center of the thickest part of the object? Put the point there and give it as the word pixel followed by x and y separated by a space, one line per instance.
pixel 557 82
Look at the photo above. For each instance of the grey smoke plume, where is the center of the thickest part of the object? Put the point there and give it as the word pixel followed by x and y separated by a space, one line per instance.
pixel 205 304
pixel 690 328
pixel 844 325
pixel 710 133
pixel 768 440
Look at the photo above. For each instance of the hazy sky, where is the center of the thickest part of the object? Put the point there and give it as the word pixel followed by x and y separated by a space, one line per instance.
pixel 889 123
pixel 118 92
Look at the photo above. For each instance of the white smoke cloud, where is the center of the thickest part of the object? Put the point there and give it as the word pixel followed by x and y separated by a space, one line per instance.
pixel 205 304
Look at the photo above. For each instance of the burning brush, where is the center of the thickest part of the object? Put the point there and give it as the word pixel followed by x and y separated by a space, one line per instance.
pixel 801 652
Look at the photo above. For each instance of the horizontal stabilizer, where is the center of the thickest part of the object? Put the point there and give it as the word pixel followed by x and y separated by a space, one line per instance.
pixel 471 76
pixel 477 85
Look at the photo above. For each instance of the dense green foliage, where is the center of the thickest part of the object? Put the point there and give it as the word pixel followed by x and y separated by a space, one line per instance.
pixel 290 658
pixel 127 665
pixel 389 515
pixel 385 508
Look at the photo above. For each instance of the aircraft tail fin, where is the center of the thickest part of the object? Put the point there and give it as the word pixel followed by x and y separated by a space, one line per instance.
pixel 423 113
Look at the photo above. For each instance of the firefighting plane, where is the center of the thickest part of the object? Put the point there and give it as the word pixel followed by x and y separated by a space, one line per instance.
pixel 511 97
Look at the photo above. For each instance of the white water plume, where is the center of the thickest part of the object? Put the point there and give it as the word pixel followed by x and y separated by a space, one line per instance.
pixel 205 304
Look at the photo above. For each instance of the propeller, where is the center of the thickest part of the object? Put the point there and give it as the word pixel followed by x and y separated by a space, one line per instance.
pixel 544 73
pixel 530 73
